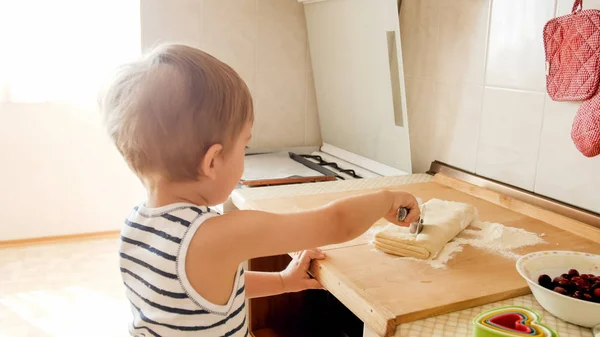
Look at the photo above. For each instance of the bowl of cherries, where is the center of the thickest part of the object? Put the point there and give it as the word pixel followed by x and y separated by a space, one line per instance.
pixel 565 283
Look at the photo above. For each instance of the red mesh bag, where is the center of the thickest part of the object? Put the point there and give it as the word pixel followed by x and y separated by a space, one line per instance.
pixel 572 48
pixel 585 132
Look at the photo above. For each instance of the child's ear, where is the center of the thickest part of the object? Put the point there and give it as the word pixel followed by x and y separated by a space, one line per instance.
pixel 208 164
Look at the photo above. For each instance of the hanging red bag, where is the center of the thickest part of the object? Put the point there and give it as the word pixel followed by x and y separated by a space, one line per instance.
pixel 572 48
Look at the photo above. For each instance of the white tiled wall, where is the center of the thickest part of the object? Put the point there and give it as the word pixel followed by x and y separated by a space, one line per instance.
pixel 515 48
pixel 509 136
pixel 265 42
pixel 476 96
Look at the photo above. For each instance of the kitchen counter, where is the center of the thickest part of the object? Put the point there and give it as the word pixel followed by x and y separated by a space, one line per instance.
pixel 455 323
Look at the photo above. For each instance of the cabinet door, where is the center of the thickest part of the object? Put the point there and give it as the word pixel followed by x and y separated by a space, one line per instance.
pixel 357 63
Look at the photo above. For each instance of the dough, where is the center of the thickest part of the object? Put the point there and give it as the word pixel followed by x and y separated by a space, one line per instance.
pixel 443 220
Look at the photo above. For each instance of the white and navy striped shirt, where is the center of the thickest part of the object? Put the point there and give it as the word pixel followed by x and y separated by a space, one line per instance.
pixel 154 244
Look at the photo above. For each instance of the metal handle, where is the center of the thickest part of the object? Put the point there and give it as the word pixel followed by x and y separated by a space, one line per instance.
pixel 415 227
pixel 401 213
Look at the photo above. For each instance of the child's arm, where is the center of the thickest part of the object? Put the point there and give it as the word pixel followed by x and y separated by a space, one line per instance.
pixel 294 278
pixel 223 242
pixel 242 235
pixel 262 284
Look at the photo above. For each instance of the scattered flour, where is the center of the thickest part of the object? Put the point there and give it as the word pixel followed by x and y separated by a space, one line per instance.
pixel 493 237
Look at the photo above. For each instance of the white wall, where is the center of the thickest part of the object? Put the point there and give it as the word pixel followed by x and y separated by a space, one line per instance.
pixel 265 42
pixel 475 82
pixel 59 174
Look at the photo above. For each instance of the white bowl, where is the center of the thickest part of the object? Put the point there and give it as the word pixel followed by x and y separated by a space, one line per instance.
pixel 555 263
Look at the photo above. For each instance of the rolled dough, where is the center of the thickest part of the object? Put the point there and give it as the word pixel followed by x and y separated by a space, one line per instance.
pixel 442 221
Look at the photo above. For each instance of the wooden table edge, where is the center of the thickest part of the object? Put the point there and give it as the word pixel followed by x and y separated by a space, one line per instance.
pixel 377 317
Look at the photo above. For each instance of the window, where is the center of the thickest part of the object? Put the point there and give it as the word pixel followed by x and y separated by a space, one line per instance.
pixel 63 50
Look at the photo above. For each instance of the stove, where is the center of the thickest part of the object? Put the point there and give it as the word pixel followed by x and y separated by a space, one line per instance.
pixel 326 164
pixel 303 166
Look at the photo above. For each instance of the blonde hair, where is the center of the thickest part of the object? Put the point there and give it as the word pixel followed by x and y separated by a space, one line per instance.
pixel 164 111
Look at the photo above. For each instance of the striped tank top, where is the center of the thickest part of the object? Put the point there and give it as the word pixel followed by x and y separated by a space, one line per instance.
pixel 154 244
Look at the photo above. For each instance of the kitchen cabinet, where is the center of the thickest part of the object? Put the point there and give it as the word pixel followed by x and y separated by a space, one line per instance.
pixel 356 57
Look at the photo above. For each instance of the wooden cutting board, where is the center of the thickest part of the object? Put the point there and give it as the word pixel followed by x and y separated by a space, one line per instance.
pixel 384 290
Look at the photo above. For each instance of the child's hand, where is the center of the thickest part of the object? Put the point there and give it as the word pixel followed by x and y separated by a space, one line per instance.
pixel 406 200
pixel 295 277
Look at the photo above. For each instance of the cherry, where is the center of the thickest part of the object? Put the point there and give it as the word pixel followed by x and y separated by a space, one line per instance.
pixel 581 284
pixel 545 281
pixel 576 279
pixel 573 272
pixel 561 290
pixel 561 281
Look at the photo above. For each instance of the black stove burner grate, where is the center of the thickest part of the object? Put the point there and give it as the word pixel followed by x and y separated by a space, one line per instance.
pixel 333 165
